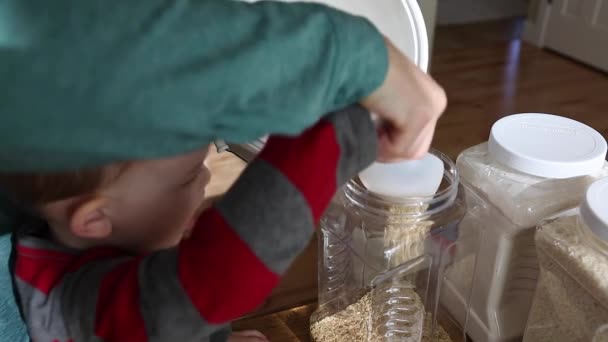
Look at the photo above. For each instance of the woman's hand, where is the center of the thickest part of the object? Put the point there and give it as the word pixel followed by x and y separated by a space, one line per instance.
pixel 409 103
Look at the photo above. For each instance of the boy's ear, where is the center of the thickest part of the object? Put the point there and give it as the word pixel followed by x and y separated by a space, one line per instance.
pixel 89 221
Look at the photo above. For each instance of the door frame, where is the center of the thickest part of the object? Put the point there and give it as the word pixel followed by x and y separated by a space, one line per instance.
pixel 536 24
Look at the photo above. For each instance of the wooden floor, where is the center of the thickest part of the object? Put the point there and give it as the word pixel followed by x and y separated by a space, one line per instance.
pixel 487 73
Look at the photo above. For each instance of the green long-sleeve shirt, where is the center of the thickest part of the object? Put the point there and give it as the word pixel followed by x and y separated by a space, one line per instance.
pixel 88 82
pixel 84 83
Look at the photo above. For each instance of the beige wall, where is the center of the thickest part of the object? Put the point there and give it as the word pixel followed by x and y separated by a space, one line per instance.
pixel 467 11
pixel 536 23
pixel 533 10
pixel 429 12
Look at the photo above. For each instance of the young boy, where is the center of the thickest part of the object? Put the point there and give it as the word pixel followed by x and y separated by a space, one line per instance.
pixel 109 259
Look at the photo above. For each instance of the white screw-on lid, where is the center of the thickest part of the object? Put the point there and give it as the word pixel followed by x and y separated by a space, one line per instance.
pixel 594 209
pixel 408 178
pixel 547 145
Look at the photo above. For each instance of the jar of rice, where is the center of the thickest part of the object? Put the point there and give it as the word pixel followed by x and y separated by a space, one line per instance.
pixel 571 301
pixel 380 262
pixel 532 167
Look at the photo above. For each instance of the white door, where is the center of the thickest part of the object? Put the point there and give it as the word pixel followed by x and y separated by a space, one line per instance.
pixel 579 29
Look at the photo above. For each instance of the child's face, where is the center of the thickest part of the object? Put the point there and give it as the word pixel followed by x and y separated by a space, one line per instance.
pixel 154 203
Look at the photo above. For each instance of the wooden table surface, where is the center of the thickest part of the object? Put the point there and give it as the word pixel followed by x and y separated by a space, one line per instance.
pixel 487 73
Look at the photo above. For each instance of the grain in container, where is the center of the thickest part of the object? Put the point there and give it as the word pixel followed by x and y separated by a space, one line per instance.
pixel 380 262
pixel 571 301
pixel 532 167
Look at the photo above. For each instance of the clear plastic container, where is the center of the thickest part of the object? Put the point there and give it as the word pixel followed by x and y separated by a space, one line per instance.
pixel 534 166
pixel 381 260
pixel 571 301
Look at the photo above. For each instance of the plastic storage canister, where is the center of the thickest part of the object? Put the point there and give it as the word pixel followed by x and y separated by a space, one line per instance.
pixel 571 301
pixel 380 262
pixel 533 166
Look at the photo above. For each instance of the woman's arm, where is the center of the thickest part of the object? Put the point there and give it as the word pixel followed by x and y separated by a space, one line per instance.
pixel 94 82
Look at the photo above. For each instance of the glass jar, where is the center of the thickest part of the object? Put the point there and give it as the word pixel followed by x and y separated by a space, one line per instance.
pixel 534 166
pixel 571 302
pixel 381 260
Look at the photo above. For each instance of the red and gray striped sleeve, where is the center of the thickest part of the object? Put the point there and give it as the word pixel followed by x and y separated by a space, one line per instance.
pixel 236 253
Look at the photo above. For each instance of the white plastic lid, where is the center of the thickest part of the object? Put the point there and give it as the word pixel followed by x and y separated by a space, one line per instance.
pixel 594 209
pixel 547 146
pixel 399 20
pixel 410 178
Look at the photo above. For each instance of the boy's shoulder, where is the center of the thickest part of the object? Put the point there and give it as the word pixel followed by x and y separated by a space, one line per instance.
pixel 43 274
